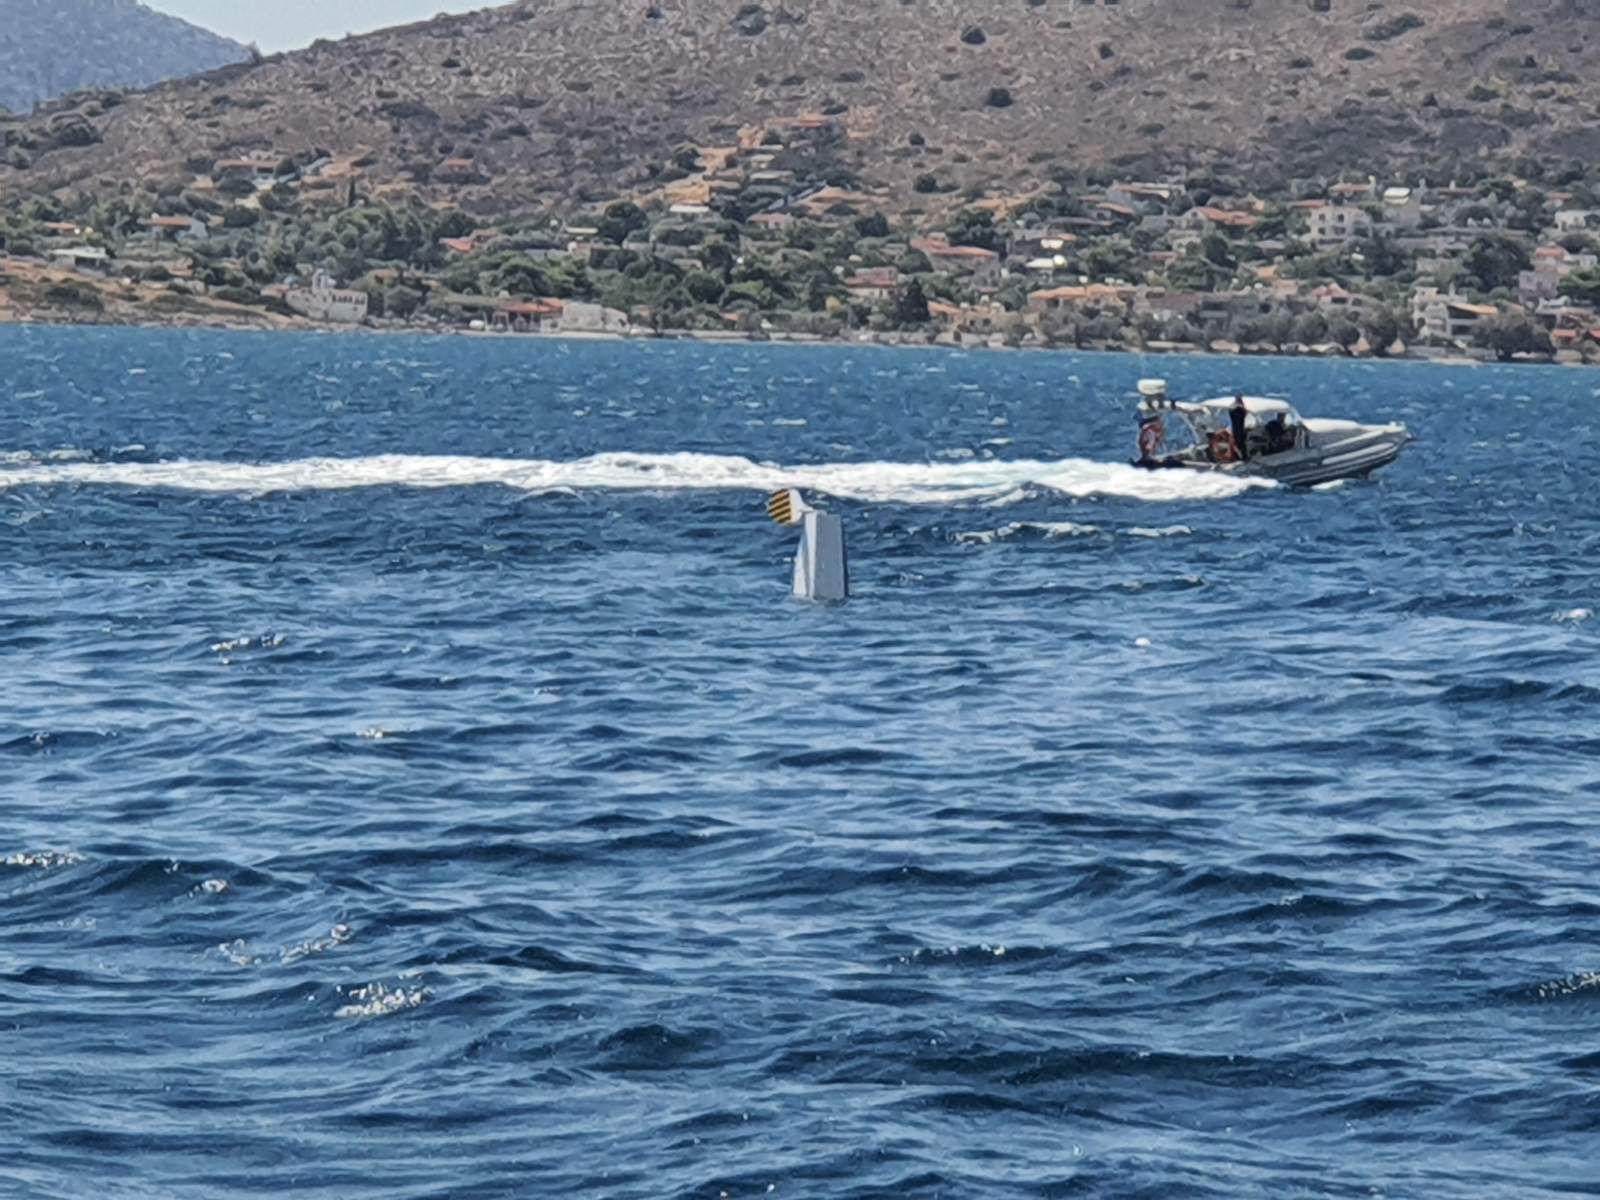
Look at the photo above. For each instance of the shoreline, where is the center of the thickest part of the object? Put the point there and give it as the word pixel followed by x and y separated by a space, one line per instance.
pixel 272 323
pixel 101 302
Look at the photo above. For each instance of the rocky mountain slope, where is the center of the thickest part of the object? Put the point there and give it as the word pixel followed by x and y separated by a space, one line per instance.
pixel 51 47
pixel 551 102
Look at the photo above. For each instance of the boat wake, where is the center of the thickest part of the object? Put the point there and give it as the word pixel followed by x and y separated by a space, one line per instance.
pixel 871 482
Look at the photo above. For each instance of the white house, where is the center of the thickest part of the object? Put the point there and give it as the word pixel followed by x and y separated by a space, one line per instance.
pixel 592 318
pixel 1446 316
pixel 1336 224
pixel 1142 196
pixel 1402 206
pixel 1038 243
pixel 324 302
pixel 692 214
pixel 87 260
pixel 1551 264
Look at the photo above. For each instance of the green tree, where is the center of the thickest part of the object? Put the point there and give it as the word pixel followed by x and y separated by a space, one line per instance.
pixel 453 224
pixel 874 226
pixel 1510 334
pixel 911 305
pixel 753 293
pixel 520 277
pixel 914 262
pixel 621 219
pixel 1250 331
pixel 1277 327
pixel 402 302
pixel 769 273
pixel 280 198
pixel 1528 211
pixel 1192 274
pixel 1582 286
pixel 719 257
pixel 1344 331
pixel 1110 258
pixel 1311 329
pixel 703 287
pixel 1379 259
pixel 1503 190
pixel 686 158
pixel 1495 261
pixel 1381 327
pixel 1215 250
pixel 821 288
pixel 974 227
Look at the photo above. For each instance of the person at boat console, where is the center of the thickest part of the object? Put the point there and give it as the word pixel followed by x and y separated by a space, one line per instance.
pixel 1280 434
pixel 1237 418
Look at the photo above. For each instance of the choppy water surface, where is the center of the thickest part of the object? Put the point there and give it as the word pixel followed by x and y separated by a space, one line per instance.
pixel 417 782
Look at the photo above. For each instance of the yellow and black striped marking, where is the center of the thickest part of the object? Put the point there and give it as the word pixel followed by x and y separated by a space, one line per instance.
pixel 784 507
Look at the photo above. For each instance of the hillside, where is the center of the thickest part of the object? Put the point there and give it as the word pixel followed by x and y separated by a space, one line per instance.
pixel 557 102
pixel 51 47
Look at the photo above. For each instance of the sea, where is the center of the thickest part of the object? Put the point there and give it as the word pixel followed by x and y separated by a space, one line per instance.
pixel 418 782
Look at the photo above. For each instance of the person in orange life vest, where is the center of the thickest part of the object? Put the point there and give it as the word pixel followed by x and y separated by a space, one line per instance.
pixel 1151 434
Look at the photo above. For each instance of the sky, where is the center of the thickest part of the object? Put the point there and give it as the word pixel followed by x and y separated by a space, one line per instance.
pixel 287 24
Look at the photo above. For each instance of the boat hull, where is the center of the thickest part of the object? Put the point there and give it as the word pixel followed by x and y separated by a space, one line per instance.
pixel 1351 457
pixel 1355 458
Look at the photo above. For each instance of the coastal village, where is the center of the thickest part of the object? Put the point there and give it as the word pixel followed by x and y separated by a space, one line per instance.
pixel 772 238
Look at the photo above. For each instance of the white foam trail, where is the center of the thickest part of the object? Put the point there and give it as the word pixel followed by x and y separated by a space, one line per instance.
pixel 875 482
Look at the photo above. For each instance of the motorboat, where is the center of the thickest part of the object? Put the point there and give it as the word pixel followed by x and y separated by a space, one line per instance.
pixel 1278 443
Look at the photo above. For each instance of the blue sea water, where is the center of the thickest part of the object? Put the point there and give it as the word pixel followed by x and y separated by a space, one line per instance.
pixel 417 782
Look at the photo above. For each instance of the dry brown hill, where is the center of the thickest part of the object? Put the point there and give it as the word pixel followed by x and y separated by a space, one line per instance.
pixel 50 47
pixel 551 101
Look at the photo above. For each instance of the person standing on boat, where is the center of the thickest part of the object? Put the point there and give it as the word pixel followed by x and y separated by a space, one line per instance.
pixel 1236 418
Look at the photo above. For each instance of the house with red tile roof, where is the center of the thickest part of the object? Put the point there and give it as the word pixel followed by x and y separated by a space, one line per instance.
pixel 1206 219
pixel 1098 295
pixel 977 264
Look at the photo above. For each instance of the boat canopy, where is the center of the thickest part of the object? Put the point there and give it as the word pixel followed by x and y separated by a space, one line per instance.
pixel 1256 406
pixel 1204 416
pixel 1215 414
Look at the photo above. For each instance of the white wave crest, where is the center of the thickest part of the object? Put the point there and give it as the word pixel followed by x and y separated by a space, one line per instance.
pixel 1575 984
pixel 45 860
pixel 873 482
pixel 337 936
pixel 379 1000
pixel 1049 529
pixel 1165 531
pixel 1574 615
